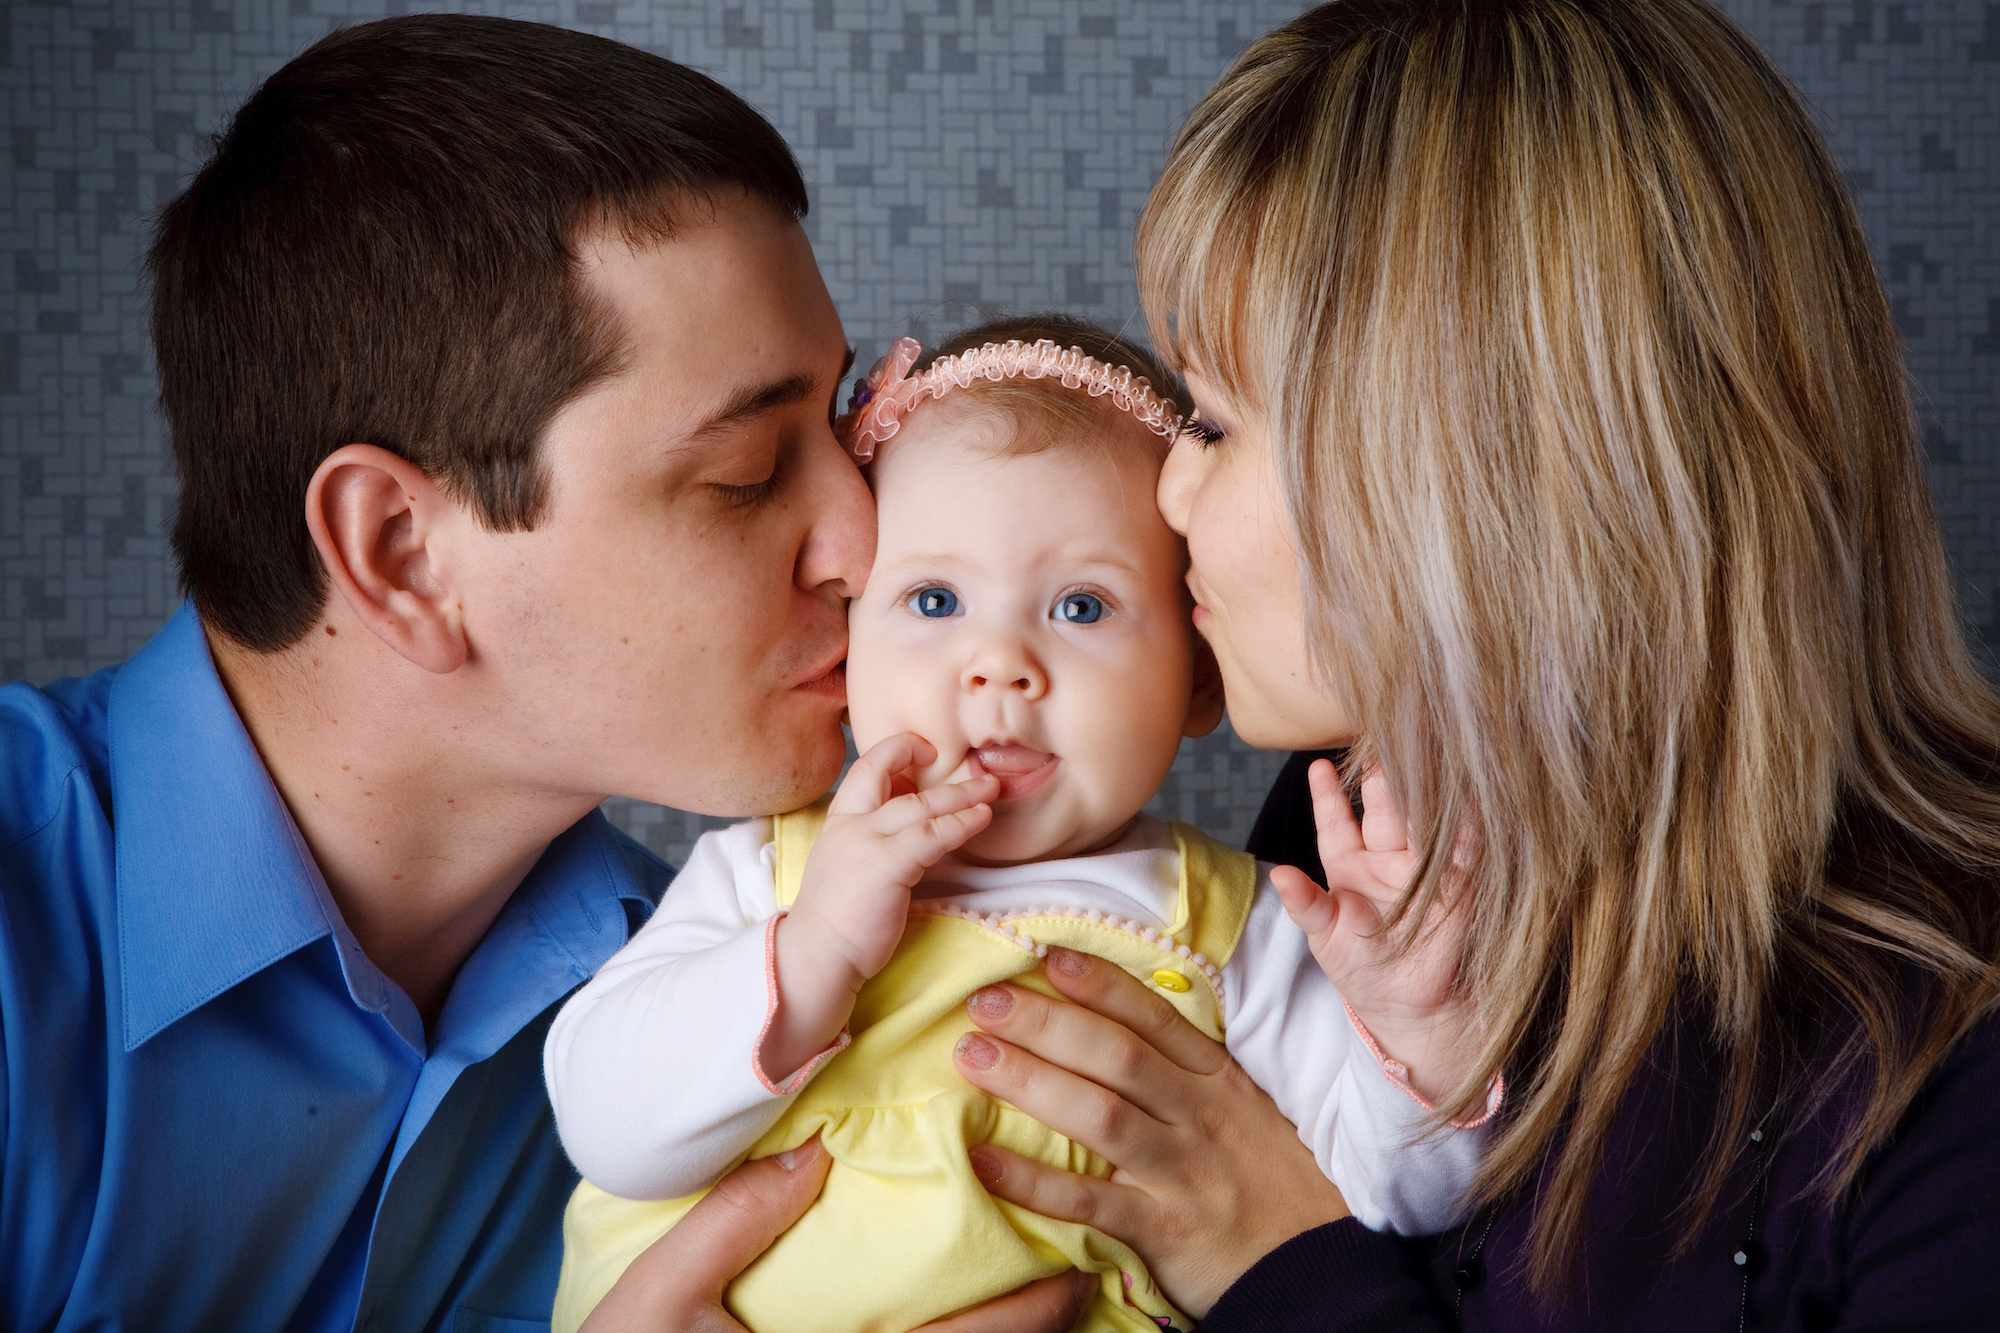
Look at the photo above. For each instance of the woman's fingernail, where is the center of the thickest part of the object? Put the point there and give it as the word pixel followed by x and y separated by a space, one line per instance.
pixel 1067 961
pixel 986 1165
pixel 794 1158
pixel 978 1052
pixel 991 1002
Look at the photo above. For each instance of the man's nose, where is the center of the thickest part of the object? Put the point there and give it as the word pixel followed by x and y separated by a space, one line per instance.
pixel 1003 662
pixel 839 545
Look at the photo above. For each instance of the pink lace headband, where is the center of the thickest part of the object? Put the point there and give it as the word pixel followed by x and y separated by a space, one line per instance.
pixel 890 393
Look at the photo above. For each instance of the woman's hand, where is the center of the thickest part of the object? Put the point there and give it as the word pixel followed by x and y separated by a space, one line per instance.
pixel 1208 1176
pixel 676 1286
pixel 1408 1003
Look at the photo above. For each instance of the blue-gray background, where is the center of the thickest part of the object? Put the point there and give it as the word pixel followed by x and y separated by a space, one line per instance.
pixel 965 156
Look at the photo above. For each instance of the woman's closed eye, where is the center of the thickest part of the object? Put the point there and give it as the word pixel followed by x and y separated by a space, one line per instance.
pixel 1078 608
pixel 935 603
pixel 1204 434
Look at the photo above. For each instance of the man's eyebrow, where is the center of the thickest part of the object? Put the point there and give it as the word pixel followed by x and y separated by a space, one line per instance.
pixel 757 399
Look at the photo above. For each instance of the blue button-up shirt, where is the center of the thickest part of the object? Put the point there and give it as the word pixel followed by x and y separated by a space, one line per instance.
pixel 218 1113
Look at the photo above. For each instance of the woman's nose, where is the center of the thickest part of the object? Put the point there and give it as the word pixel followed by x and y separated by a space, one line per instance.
pixel 1004 662
pixel 1179 480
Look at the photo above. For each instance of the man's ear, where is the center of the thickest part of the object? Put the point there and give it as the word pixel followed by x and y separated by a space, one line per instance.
pixel 375 519
pixel 1205 702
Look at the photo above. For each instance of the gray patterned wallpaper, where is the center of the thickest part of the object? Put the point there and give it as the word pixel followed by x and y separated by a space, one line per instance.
pixel 967 157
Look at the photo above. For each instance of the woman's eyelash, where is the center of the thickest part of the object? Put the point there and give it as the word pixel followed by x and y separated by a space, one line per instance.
pixel 747 497
pixel 1199 431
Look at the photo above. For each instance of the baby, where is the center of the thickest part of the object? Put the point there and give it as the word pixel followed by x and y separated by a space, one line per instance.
pixel 1021 670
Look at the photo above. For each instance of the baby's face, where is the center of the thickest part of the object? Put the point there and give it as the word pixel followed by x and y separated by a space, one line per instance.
pixel 1027 617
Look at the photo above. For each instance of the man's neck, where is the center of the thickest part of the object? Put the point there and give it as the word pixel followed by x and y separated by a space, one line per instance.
pixel 388 773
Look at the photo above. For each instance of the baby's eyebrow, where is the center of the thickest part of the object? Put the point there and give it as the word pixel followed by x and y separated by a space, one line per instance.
pixel 1108 561
pixel 946 563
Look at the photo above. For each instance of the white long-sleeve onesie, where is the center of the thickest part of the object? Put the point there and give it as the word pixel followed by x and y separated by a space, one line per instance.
pixel 652 1066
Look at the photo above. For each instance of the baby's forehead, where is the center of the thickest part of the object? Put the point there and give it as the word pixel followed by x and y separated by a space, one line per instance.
pixel 966 486
pixel 1043 419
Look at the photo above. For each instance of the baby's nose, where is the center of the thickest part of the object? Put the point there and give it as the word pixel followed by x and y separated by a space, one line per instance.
pixel 1004 664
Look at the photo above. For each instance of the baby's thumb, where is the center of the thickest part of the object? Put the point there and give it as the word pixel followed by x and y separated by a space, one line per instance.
pixel 1311 908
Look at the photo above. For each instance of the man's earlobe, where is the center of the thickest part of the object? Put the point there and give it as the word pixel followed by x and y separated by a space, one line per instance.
pixel 374 518
pixel 1205 701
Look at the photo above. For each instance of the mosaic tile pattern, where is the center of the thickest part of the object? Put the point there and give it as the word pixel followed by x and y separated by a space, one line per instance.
pixel 967 157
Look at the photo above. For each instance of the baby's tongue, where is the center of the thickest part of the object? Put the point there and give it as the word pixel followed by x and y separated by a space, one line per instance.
pixel 1010 761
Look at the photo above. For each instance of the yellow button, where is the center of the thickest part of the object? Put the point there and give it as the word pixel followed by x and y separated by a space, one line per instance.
pixel 1166 979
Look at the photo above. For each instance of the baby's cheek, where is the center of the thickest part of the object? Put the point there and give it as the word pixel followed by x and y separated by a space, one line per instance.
pixel 872 672
pixel 1142 733
pixel 888 695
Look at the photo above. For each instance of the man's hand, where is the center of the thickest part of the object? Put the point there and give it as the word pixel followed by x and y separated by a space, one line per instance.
pixel 880 838
pixel 676 1286
pixel 1408 1003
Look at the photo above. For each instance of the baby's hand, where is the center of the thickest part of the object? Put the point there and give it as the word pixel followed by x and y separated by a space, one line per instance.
pixel 855 898
pixel 876 845
pixel 1408 1004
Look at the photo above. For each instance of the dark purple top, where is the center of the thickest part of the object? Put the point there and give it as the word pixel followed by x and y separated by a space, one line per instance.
pixel 1915 1245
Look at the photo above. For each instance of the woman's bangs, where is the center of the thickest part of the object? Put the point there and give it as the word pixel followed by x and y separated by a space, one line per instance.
pixel 1197 255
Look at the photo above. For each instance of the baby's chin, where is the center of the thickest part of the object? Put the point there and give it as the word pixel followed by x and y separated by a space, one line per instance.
pixel 1013 841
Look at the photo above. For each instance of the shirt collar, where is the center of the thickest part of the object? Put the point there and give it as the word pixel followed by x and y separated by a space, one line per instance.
pixel 215 882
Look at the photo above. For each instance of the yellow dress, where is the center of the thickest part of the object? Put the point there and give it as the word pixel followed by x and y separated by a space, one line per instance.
pixel 903 1232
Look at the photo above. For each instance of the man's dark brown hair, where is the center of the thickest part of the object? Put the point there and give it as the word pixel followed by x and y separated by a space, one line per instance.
pixel 381 250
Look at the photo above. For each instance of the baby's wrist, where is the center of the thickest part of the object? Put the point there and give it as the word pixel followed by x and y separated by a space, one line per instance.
pixel 812 999
pixel 815 982
pixel 809 957
pixel 1434 1050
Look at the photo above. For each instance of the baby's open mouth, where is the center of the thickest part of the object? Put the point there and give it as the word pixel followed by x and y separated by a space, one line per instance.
pixel 1021 770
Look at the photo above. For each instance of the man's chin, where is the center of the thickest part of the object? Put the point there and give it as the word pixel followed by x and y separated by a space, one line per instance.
pixel 739 787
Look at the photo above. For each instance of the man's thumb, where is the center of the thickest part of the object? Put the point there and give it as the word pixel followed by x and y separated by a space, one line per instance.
pixel 688 1268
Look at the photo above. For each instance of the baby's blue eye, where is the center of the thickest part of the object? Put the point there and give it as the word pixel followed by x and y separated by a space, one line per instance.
pixel 1079 608
pixel 936 603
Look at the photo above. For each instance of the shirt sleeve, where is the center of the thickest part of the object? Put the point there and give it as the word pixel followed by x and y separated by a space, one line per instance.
pixel 652 1066
pixel 1921 1234
pixel 1337 1277
pixel 1288 1027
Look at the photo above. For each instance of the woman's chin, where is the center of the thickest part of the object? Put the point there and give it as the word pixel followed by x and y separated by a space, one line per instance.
pixel 1268 730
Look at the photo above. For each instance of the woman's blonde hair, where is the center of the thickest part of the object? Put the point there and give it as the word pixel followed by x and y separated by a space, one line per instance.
pixel 1616 542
